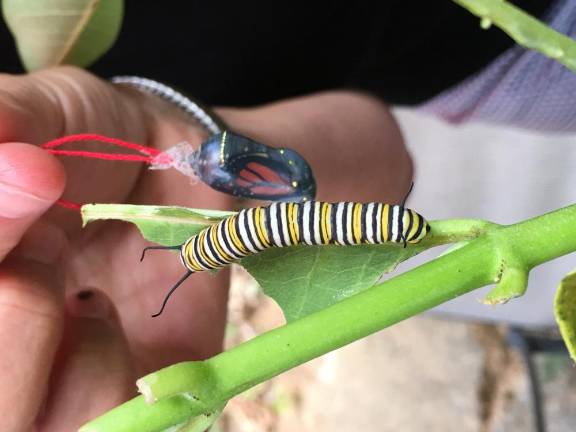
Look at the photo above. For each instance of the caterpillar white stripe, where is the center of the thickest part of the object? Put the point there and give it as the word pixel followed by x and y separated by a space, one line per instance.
pixel 285 224
pixel 312 223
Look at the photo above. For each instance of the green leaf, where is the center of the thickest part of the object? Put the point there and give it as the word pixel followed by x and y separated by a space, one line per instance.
pixel 168 226
pixel 50 33
pixel 305 279
pixel 565 311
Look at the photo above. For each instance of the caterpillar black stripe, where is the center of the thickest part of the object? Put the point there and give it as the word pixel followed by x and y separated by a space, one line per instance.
pixel 285 224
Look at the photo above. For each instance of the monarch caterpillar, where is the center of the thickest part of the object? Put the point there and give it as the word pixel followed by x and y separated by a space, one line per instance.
pixel 285 224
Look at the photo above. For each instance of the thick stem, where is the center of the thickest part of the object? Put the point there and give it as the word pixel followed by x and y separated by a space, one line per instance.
pixel 474 265
pixel 137 415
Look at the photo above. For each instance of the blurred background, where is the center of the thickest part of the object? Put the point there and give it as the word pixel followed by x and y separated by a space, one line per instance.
pixel 461 367
pixel 464 366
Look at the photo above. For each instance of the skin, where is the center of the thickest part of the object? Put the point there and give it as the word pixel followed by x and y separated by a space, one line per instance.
pixel 75 303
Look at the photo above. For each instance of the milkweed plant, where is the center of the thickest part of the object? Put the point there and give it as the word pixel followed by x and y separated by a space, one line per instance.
pixel 330 295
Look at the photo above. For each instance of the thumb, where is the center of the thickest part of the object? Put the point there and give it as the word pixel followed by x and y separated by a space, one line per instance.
pixel 94 371
pixel 31 180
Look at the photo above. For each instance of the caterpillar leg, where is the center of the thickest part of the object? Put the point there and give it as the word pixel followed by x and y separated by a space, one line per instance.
pixel 157 247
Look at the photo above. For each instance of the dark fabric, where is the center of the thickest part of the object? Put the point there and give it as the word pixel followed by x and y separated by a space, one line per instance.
pixel 247 53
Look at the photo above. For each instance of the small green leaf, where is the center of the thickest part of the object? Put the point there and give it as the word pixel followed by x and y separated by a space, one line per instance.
pixel 50 33
pixel 512 283
pixel 168 226
pixel 305 279
pixel 565 311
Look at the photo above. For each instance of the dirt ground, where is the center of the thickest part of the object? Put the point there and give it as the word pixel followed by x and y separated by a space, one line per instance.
pixel 424 374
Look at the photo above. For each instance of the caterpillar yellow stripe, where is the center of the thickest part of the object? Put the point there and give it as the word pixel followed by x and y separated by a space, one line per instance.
pixel 313 223
pixel 285 224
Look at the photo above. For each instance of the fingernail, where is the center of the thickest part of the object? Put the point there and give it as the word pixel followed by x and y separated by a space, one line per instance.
pixel 91 303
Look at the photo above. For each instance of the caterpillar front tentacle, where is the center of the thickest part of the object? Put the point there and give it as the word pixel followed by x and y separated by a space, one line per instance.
pixel 286 224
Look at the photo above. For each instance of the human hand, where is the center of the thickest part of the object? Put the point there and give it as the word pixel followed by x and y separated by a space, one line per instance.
pixel 75 303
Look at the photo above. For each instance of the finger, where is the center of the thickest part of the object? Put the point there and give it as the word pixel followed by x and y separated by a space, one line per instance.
pixel 94 371
pixel 56 101
pixel 24 103
pixel 67 100
pixel 31 180
pixel 31 321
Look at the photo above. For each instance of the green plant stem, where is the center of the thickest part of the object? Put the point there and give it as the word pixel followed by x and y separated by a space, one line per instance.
pixel 143 417
pixel 455 230
pixel 481 262
pixel 524 29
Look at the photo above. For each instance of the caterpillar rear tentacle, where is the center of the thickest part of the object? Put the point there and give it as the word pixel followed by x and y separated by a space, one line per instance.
pixel 285 224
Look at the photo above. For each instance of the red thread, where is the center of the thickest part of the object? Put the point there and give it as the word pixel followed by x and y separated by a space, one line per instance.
pixel 69 204
pixel 148 154
pixel 94 137
pixel 105 156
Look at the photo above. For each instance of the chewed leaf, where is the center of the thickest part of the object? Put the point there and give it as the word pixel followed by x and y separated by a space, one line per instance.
pixel 565 311
pixel 305 279
pixel 168 226
pixel 50 33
